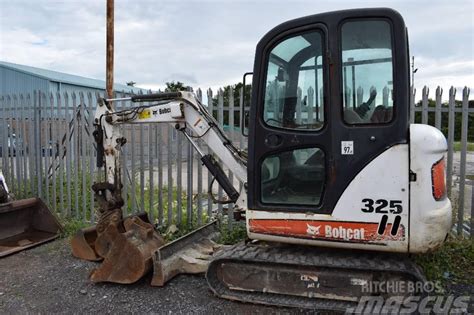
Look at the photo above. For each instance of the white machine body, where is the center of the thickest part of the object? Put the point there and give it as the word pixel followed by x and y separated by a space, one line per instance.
pixel 388 206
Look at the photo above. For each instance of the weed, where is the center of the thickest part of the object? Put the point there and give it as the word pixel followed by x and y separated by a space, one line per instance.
pixel 71 226
pixel 232 235
pixel 452 262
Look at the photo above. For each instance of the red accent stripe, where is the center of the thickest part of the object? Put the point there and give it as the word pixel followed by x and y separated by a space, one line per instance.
pixel 325 230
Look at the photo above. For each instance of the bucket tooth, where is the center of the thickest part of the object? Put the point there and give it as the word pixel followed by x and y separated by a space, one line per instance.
pixel 26 223
pixel 128 255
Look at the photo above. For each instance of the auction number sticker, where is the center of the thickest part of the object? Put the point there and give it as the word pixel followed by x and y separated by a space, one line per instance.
pixel 347 147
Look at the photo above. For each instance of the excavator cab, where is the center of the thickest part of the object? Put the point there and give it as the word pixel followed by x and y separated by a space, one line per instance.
pixel 329 113
pixel 334 163
pixel 325 106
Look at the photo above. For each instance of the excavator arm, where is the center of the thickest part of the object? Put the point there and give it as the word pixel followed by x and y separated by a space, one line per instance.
pixel 131 246
pixel 188 115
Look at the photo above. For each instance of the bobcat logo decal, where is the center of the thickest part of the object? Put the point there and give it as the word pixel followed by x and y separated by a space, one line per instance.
pixel 313 230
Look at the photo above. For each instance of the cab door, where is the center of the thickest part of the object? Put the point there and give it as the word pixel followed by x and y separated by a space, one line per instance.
pixel 330 95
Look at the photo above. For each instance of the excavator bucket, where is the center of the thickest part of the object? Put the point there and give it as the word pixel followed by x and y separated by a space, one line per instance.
pixel 190 254
pixel 132 253
pixel 83 243
pixel 24 224
pixel 127 255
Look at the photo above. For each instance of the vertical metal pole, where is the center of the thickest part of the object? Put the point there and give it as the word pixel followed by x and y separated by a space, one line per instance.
pixel 471 229
pixel 159 153
pixel 62 132
pixel 53 140
pixel 142 168
pixel 210 107
pixel 2 133
pixel 199 192
pixel 133 185
pixel 76 143
pixel 110 49
pixel 451 114
pixel 230 212
pixel 316 87
pixel 3 140
pixel 23 173
pixel 170 174
pixel 424 105
pixel 346 95
pixel 83 156
pixel 310 107
pixel 91 154
pixel 199 179
pixel 179 177
pixel 353 87
pixel 299 95
pixel 241 119
pixel 17 140
pixel 189 197
pixel 151 174
pixel 220 120
pixel 40 140
pixel 45 151
pixel 439 93
pixel 462 182
pixel 68 153
pixel 412 104
pixel 30 143
pixel 11 168
pixel 123 162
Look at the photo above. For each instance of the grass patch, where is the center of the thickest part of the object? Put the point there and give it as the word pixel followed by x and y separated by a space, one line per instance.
pixel 457 146
pixel 180 222
pixel 232 235
pixel 453 262
pixel 71 226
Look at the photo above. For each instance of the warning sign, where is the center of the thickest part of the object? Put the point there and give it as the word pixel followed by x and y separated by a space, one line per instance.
pixel 144 114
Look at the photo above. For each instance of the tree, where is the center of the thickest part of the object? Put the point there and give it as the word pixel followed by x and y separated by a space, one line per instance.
pixel 175 87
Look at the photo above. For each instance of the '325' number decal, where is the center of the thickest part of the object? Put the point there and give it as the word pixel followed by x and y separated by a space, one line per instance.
pixel 382 206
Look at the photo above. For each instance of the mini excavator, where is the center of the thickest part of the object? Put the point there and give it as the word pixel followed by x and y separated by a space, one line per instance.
pixel 338 187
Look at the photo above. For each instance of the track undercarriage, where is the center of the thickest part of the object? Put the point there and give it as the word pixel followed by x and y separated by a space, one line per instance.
pixel 304 277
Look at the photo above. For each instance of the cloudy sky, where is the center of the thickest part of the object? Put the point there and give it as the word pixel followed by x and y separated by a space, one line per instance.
pixel 211 43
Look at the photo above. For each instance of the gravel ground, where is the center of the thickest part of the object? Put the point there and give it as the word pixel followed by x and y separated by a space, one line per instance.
pixel 48 279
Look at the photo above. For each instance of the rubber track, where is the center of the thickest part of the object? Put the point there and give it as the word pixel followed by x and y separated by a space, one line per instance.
pixel 305 256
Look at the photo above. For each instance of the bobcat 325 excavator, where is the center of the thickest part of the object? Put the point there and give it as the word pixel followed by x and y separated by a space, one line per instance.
pixel 338 187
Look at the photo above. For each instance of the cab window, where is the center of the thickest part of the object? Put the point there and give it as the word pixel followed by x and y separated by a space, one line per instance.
pixel 293 177
pixel 294 83
pixel 367 72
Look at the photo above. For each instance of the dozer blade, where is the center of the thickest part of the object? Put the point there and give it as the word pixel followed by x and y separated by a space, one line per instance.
pixel 189 254
pixel 24 224
pixel 127 254
pixel 83 243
